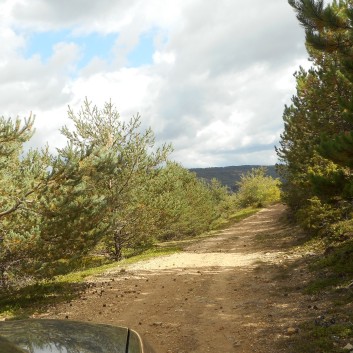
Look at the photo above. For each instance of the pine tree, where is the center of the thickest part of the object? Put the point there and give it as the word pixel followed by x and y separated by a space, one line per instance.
pixel 45 212
pixel 315 110
pixel 23 176
pixel 121 163
pixel 329 29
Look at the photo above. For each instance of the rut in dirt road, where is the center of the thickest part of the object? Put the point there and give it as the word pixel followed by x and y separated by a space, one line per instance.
pixel 221 294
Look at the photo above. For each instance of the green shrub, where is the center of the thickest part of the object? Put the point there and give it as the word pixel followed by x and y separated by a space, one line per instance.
pixel 257 189
pixel 318 216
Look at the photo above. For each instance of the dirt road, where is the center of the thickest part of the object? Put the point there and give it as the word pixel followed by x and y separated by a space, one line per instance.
pixel 223 294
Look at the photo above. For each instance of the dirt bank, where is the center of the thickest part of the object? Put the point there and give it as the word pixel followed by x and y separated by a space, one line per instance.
pixel 222 294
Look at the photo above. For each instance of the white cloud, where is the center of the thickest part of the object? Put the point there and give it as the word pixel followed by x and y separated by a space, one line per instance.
pixel 128 88
pixel 163 57
pixel 220 75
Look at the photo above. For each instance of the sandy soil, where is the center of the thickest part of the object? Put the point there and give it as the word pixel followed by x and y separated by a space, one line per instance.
pixel 222 294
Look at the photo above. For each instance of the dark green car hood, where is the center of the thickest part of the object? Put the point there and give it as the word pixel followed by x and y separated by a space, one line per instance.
pixel 57 336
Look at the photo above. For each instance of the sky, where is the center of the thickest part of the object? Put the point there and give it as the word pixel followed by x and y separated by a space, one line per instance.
pixel 210 77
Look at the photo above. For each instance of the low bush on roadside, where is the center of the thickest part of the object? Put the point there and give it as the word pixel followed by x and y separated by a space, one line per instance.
pixel 257 189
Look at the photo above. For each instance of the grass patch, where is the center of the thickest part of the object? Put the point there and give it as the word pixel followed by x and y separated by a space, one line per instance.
pixel 340 260
pixel 79 276
pixel 318 285
pixel 312 245
pixel 234 218
pixel 332 273
pixel 243 213
pixel 26 301
pixel 333 270
pixel 316 337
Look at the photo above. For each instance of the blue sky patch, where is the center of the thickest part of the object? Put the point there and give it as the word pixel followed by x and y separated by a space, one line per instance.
pixel 92 45
pixel 42 43
pixel 142 54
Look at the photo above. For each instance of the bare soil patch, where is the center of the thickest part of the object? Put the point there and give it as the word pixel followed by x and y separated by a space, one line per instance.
pixel 239 291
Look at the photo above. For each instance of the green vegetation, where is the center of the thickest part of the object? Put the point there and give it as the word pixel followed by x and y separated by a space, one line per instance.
pixel 316 338
pixel 316 146
pixel 335 270
pixel 257 189
pixel 110 193
pixel 316 151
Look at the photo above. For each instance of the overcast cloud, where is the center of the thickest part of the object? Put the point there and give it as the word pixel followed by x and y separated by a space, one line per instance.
pixel 211 77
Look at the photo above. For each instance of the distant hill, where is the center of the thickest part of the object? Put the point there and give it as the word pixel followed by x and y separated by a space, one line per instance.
pixel 230 175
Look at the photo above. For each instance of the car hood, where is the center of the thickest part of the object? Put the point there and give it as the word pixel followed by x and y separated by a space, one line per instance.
pixel 63 336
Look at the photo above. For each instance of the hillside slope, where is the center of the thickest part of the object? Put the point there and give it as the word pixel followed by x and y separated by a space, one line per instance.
pixel 228 176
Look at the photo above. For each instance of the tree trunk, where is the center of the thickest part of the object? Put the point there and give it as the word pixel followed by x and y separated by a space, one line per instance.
pixel 118 245
pixel 3 278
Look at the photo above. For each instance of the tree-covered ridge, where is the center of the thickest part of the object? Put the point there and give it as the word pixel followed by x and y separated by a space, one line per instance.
pixel 109 190
pixel 229 176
